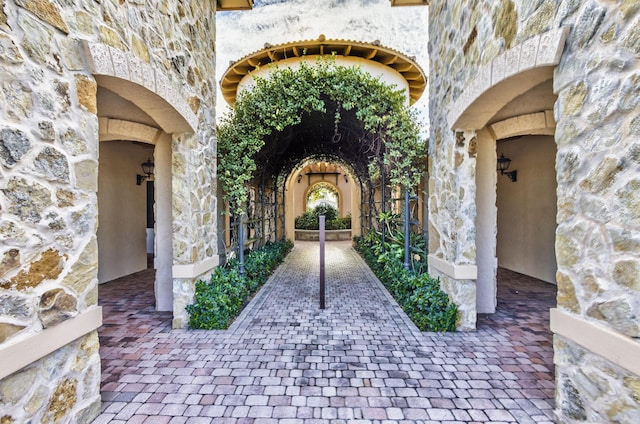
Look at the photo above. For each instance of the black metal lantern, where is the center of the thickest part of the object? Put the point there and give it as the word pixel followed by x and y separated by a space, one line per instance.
pixel 147 168
pixel 503 165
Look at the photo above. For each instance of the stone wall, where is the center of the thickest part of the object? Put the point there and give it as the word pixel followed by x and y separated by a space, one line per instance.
pixel 48 174
pixel 598 173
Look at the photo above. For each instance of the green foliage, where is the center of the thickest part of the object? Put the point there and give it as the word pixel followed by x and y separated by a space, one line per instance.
pixel 221 299
pixel 288 95
pixel 310 220
pixel 394 242
pixel 417 293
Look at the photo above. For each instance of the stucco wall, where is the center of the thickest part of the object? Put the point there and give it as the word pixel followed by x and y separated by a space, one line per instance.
pixel 527 208
pixel 51 54
pixel 122 205
pixel 598 173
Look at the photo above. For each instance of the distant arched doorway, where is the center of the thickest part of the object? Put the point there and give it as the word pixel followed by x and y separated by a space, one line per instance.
pixel 323 194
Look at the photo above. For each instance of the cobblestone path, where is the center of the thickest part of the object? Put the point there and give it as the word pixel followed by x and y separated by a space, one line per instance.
pixel 358 361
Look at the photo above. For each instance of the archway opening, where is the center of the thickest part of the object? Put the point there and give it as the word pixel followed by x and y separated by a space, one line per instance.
pixel 323 194
pixel 516 210
pixel 133 219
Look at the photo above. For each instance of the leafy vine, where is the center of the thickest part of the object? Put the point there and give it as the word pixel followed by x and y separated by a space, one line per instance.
pixel 282 101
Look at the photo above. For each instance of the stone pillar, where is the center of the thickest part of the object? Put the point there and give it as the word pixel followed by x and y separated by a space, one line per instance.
pixel 486 223
pixel 49 362
pixel 452 209
pixel 194 204
pixel 49 167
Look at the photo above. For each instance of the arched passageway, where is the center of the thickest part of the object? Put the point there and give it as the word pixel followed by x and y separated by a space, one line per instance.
pixel 319 112
pixel 516 207
pixel 137 123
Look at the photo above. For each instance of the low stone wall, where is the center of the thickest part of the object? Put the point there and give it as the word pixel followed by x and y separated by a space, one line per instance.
pixel 329 235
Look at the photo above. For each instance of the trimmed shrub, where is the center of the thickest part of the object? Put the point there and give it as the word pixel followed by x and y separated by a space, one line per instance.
pixel 417 293
pixel 310 220
pixel 221 299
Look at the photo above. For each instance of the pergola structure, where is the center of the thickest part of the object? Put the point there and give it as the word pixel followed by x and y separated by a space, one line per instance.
pixel 275 54
pixel 319 136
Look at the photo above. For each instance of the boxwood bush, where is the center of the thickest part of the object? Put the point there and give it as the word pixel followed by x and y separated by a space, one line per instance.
pixel 417 293
pixel 221 299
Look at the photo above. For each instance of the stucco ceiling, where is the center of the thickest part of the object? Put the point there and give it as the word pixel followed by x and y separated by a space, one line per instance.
pixel 538 99
pixel 111 105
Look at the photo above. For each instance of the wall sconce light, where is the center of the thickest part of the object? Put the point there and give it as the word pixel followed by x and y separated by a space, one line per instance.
pixel 503 165
pixel 147 168
pixel 299 178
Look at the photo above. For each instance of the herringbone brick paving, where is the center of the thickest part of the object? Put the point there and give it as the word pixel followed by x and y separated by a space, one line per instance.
pixel 358 361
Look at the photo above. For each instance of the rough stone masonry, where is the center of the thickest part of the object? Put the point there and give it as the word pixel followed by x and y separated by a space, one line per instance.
pixel 49 136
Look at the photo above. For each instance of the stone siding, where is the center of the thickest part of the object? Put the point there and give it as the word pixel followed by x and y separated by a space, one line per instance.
pixel 598 171
pixel 48 174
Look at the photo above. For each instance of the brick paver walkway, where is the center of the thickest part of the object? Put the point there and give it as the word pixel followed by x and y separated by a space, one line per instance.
pixel 358 361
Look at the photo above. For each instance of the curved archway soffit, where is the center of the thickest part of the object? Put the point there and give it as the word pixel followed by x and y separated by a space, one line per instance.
pixel 539 123
pixel 117 129
pixel 143 85
pixel 292 167
pixel 404 65
pixel 512 73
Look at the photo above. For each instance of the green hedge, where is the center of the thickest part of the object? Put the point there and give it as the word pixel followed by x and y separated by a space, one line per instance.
pixel 310 220
pixel 418 294
pixel 221 299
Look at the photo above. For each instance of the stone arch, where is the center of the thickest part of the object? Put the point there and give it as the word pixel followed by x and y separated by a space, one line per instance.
pixel 142 84
pixel 509 75
pixel 540 123
pixel 117 129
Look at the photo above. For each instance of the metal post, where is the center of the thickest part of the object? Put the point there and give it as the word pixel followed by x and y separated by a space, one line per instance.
pixel 406 229
pixel 275 210
pixel 241 243
pixel 383 229
pixel 321 261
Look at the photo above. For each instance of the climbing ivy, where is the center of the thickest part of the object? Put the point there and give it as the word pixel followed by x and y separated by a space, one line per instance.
pixel 284 98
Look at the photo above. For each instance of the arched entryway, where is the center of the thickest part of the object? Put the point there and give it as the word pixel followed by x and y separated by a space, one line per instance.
pixel 336 179
pixel 137 123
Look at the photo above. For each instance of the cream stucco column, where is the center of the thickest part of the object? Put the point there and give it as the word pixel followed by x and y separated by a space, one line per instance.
pixel 163 224
pixel 486 218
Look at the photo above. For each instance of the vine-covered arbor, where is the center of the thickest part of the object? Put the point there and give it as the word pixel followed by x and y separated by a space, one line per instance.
pixel 318 110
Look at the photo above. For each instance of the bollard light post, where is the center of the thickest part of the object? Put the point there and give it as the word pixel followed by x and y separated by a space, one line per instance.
pixel 322 261
pixel 241 243
pixel 406 229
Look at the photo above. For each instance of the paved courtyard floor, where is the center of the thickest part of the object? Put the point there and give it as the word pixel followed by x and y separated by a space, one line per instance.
pixel 358 361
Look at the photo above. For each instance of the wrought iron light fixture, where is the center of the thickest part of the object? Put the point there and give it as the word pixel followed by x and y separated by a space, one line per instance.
pixel 503 165
pixel 147 168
